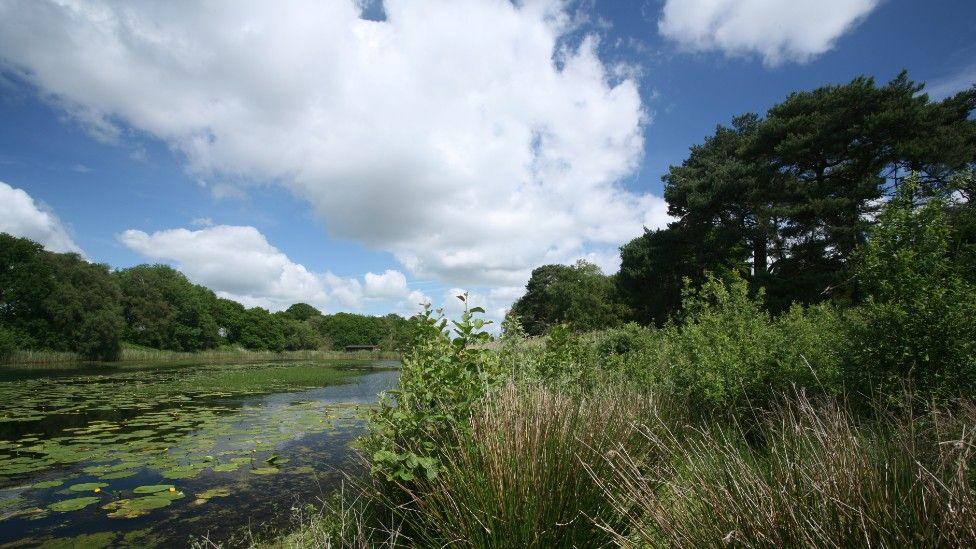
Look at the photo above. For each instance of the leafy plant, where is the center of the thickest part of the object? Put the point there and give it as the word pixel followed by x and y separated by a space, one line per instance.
pixel 918 326
pixel 441 378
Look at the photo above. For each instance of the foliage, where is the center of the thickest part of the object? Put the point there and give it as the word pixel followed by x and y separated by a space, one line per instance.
pixel 579 295
pixel 302 311
pixel 261 330
pixel 298 335
pixel 390 332
pixel 441 378
pixel 164 310
pixel 8 344
pixel 654 267
pixel 725 352
pixel 57 301
pixel 729 352
pixel 788 199
pixel 61 303
pixel 919 323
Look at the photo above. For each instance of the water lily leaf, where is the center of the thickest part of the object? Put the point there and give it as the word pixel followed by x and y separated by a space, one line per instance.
pixel 153 488
pixel 47 484
pixel 98 540
pixel 207 495
pixel 137 507
pixel 265 470
pixel 182 471
pixel 87 486
pixel 117 475
pixel 73 504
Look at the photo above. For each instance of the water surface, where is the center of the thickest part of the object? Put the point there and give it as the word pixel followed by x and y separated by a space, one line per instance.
pixel 152 456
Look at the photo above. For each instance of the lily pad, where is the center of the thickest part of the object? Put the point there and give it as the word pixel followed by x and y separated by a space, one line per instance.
pixel 182 471
pixel 137 507
pixel 97 540
pixel 207 495
pixel 117 475
pixel 153 488
pixel 73 504
pixel 47 484
pixel 87 486
pixel 265 470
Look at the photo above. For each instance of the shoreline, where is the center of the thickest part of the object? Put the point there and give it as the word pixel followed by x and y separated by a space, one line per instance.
pixel 135 356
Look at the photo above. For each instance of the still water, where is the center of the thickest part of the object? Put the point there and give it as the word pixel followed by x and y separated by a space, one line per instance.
pixel 159 455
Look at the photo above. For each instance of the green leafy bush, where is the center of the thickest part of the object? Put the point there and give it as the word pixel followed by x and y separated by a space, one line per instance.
pixel 8 343
pixel 441 378
pixel 729 352
pixel 918 326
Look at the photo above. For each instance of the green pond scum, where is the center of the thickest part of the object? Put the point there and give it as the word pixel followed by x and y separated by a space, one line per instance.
pixel 153 456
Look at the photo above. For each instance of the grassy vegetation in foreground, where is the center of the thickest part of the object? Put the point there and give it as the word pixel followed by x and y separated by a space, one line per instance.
pixel 823 426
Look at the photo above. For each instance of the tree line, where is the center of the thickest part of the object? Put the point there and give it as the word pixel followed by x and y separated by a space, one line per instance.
pixel 784 200
pixel 60 302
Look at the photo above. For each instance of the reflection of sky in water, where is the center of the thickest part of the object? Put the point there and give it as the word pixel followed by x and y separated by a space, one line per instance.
pixel 308 469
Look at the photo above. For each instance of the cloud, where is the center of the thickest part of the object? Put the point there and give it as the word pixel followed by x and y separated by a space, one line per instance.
pixel 473 139
pixel 949 85
pixel 777 30
pixel 391 284
pixel 239 263
pixel 21 216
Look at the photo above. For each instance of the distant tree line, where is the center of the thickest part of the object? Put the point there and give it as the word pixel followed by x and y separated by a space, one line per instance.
pixel 60 302
pixel 784 200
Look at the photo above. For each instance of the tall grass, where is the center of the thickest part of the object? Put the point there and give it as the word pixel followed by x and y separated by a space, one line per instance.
pixel 523 475
pixel 543 467
pixel 344 521
pixel 814 476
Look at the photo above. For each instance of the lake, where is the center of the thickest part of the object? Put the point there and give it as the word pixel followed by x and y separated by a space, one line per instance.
pixel 148 456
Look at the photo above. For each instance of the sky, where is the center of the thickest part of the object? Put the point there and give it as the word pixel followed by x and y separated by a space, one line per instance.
pixel 368 156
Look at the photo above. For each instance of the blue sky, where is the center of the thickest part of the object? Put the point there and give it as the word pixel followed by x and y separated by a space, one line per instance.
pixel 457 147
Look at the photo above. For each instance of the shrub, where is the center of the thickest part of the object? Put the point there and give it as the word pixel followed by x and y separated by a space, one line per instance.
pixel 441 378
pixel 918 325
pixel 8 343
pixel 728 352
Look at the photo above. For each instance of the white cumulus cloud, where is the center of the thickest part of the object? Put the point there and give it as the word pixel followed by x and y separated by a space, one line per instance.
pixel 21 216
pixel 467 137
pixel 239 263
pixel 776 30
pixel 390 284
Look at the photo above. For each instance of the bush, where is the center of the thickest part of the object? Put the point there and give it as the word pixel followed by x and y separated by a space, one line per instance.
pixel 918 326
pixel 729 352
pixel 441 378
pixel 8 343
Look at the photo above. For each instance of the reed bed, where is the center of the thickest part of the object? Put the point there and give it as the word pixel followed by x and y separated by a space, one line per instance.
pixel 143 355
pixel 524 474
pixel 812 476
pixel 544 468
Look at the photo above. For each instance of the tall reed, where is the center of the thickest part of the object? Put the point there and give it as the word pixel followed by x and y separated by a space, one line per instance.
pixel 814 476
pixel 521 479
